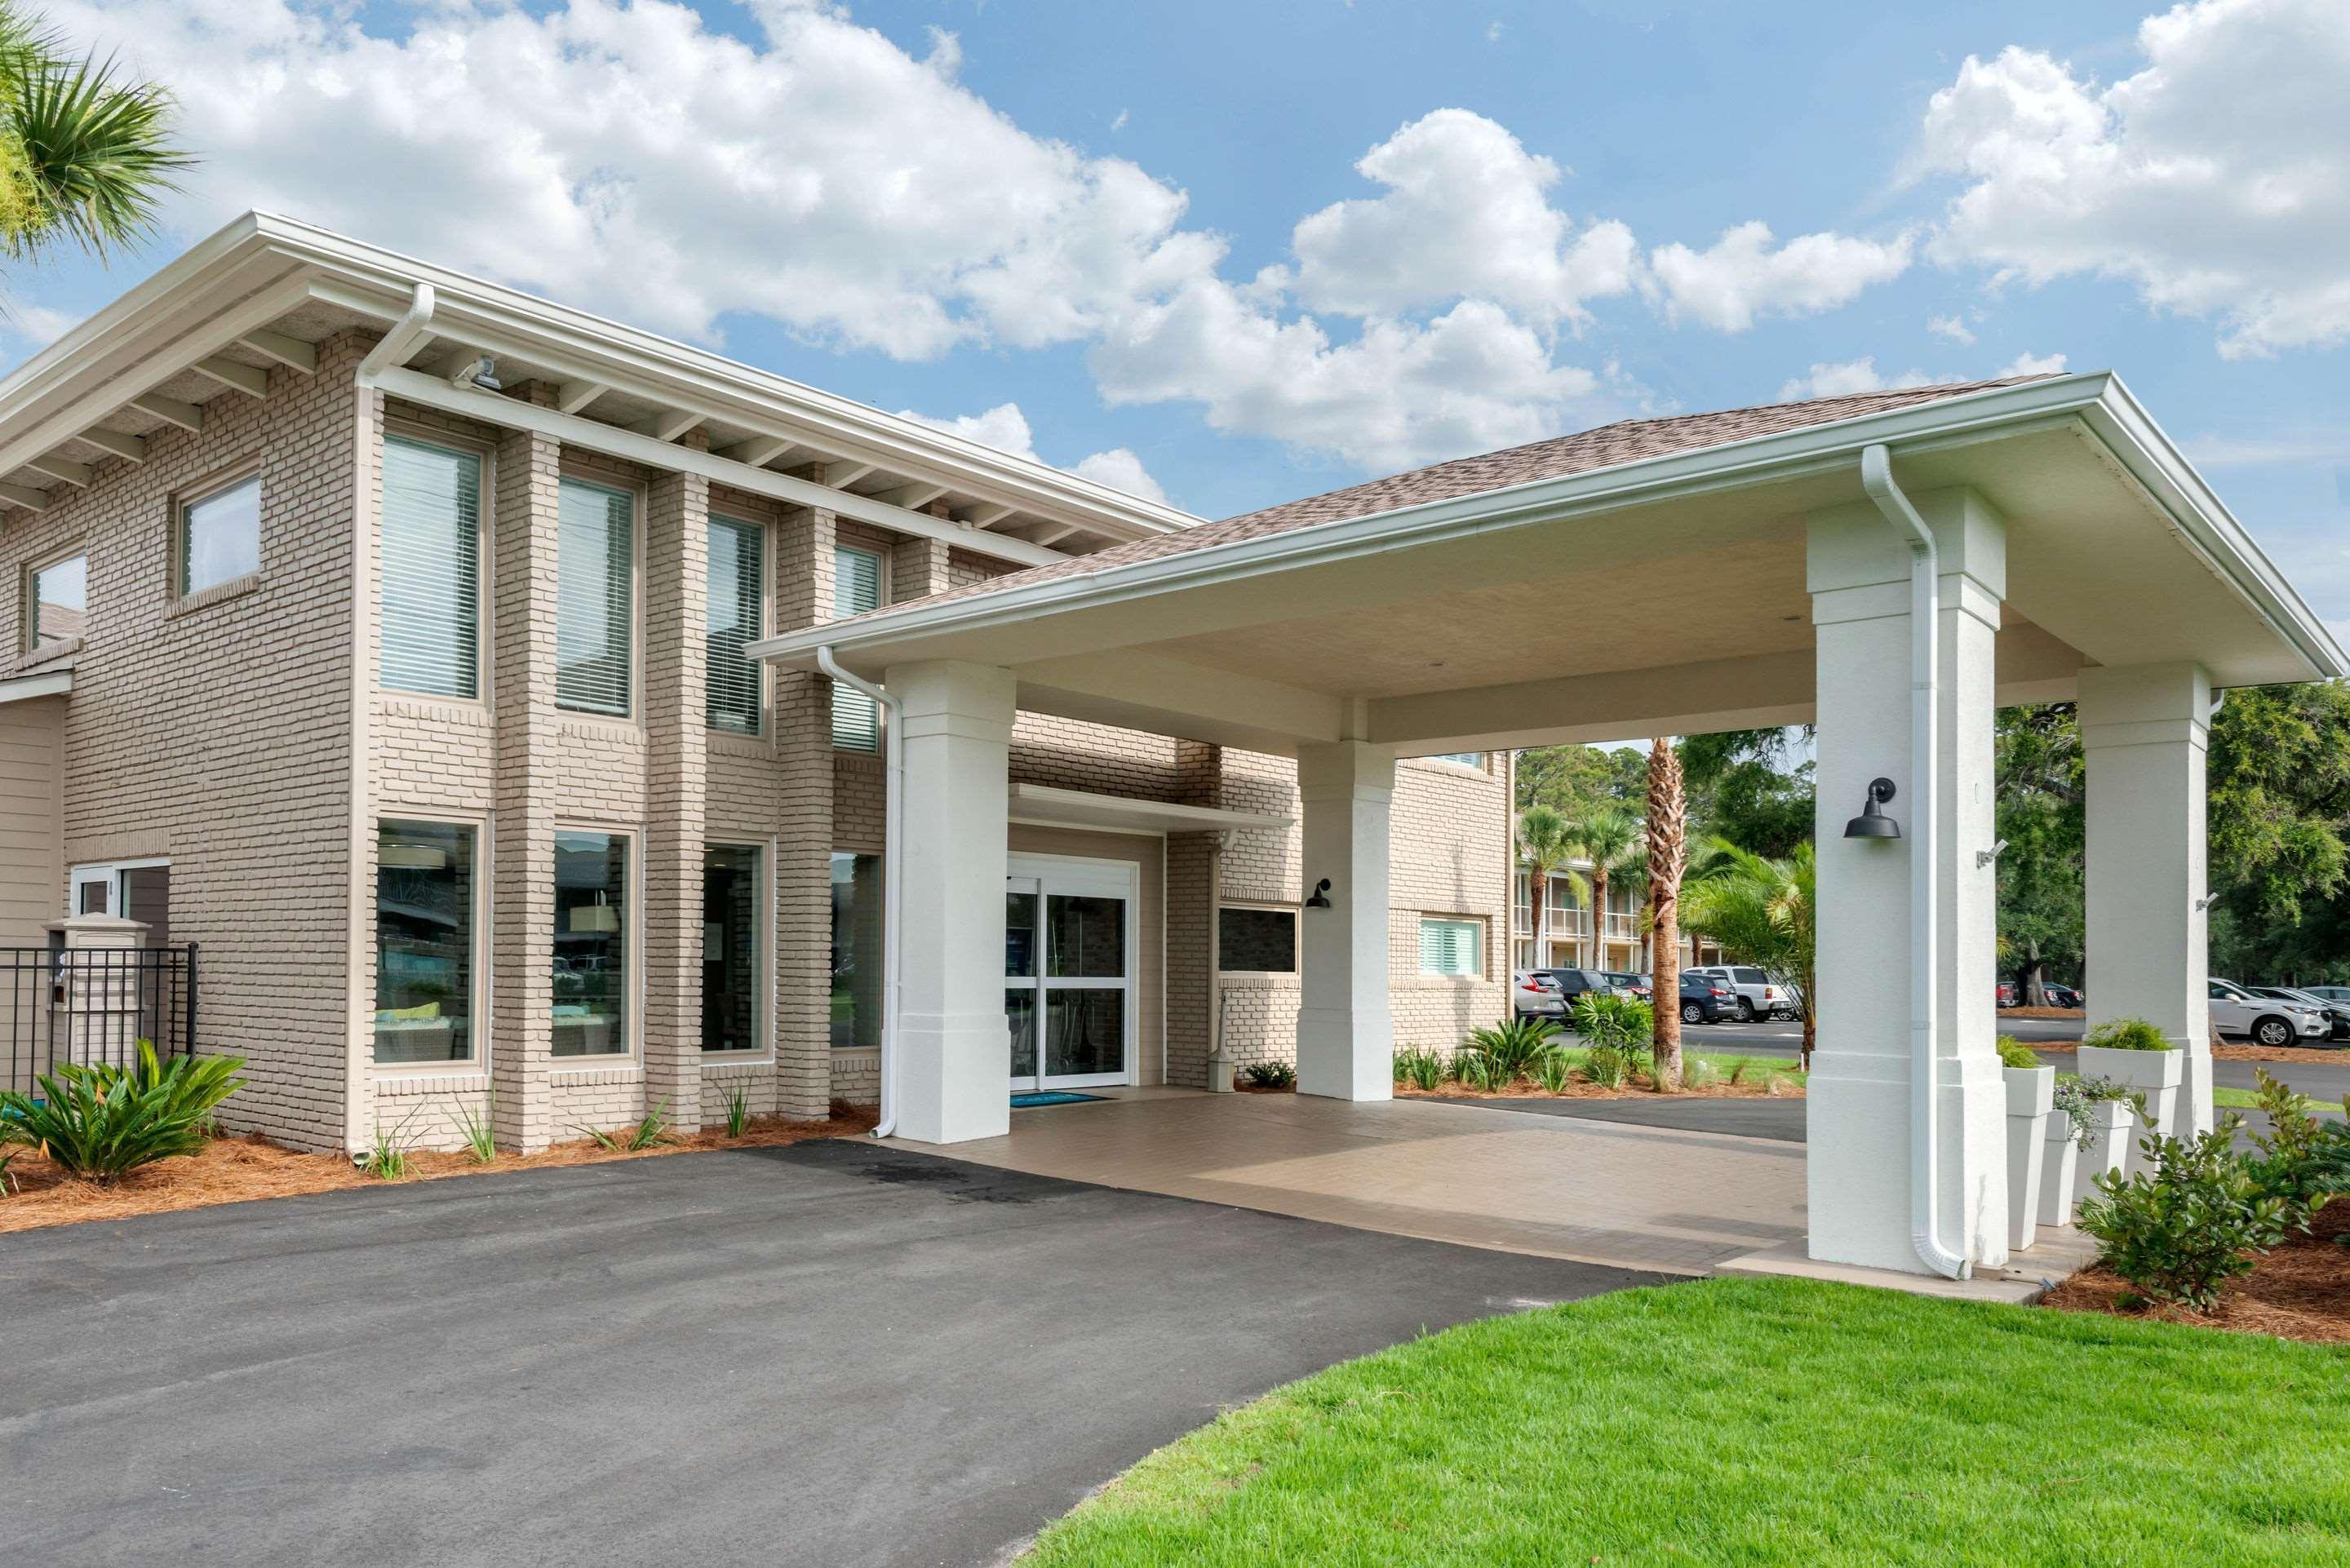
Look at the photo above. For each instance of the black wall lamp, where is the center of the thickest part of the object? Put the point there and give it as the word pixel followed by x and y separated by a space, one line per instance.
pixel 1319 899
pixel 1872 822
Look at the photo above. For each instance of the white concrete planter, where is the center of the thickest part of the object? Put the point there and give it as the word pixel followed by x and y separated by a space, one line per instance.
pixel 2059 1157
pixel 2112 1126
pixel 2030 1092
pixel 2155 1074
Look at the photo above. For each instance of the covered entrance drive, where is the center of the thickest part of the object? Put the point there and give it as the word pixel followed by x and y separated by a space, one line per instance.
pixel 1902 564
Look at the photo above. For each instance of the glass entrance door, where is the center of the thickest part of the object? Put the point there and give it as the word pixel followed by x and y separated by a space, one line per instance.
pixel 1068 976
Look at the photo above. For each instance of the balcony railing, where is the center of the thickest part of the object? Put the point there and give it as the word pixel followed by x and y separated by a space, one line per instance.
pixel 1621 927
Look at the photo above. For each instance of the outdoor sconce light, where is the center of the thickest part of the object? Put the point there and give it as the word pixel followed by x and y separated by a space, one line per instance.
pixel 1872 822
pixel 1319 899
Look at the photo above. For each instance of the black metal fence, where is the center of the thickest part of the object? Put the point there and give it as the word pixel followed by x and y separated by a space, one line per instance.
pixel 90 1005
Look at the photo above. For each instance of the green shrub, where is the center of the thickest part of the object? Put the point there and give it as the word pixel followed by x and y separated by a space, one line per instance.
pixel 651 1129
pixel 2015 1053
pixel 2195 1221
pixel 1418 1066
pixel 1471 1070
pixel 99 1122
pixel 1610 1067
pixel 8 1182
pixel 388 1159
pixel 1623 1021
pixel 738 1109
pixel 2128 1034
pixel 1696 1073
pixel 1554 1071
pixel 2302 1161
pixel 1510 1051
pixel 1271 1075
pixel 478 1129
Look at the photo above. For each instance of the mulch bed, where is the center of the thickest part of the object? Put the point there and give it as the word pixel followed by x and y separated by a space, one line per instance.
pixel 2230 1052
pixel 2043 1012
pixel 1638 1089
pixel 238 1170
pixel 2300 1291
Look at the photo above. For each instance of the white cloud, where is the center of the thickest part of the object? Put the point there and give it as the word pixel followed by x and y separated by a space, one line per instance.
pixel 1741 278
pixel 1119 122
pixel 1466 215
pixel 1492 32
pixel 1950 326
pixel 1842 379
pixel 30 327
pixel 2034 365
pixel 1006 429
pixel 2216 180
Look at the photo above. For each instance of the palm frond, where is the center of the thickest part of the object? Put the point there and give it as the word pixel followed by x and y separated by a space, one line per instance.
pixel 94 154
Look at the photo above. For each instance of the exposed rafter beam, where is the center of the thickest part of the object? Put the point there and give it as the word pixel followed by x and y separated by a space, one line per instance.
pixel 759 450
pixel 913 496
pixel 668 426
pixel 23 495
pixel 129 448
pixel 245 378
pixel 573 396
pixel 74 473
pixel 989 516
pixel 170 410
pixel 841 475
pixel 434 392
pixel 1051 533
pixel 290 352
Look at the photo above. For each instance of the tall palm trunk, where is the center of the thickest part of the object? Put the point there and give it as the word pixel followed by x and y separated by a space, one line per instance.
pixel 1598 958
pixel 1667 850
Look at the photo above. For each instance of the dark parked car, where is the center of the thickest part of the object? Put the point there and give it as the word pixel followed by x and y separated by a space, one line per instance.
pixel 1705 1000
pixel 1562 984
pixel 2060 995
pixel 1630 983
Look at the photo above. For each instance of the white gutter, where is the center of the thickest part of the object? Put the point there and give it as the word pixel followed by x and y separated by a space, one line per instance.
pixel 893 853
pixel 1925 705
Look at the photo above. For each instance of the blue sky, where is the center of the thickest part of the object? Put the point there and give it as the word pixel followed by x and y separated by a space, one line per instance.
pixel 949 206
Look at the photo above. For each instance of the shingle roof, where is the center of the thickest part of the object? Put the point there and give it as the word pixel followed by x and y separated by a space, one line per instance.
pixel 1627 441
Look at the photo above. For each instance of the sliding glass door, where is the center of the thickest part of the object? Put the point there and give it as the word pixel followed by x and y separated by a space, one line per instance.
pixel 1068 971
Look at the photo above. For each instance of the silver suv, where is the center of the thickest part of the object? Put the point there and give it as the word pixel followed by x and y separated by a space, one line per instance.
pixel 1759 995
pixel 2235 1010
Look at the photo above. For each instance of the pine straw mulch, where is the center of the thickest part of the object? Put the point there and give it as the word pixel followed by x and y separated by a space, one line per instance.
pixel 2043 1012
pixel 2230 1051
pixel 239 1169
pixel 2300 1291
pixel 1767 1086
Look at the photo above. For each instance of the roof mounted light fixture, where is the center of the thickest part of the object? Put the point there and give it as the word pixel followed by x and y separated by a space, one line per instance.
pixel 478 371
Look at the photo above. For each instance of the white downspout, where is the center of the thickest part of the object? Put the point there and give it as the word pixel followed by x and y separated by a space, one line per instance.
pixel 1925 718
pixel 893 854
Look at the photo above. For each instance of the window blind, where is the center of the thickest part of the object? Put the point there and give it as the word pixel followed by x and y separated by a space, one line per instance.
pixel 1448 947
pixel 595 591
pixel 432 569
pixel 856 588
pixel 737 573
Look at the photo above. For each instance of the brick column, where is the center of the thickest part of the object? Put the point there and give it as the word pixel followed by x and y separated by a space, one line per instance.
pixel 801 717
pixel 917 568
pixel 677 578
pixel 523 547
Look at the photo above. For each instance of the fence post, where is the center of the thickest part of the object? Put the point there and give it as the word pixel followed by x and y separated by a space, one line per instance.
pixel 187 1023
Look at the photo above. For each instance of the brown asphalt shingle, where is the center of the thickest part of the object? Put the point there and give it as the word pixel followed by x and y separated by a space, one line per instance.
pixel 1627 441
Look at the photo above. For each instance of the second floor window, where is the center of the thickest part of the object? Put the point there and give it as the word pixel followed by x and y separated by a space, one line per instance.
pixel 220 538
pixel 856 588
pixel 432 569
pixel 60 599
pixel 737 559
pixel 595 608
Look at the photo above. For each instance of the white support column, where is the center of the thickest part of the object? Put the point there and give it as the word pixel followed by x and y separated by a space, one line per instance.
pixel 1862 1130
pixel 1345 1029
pixel 954 1049
pixel 2143 729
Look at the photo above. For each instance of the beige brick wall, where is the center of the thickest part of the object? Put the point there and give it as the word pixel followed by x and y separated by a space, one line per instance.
pixel 215 731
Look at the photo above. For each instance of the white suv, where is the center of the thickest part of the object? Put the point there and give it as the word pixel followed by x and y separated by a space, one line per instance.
pixel 2235 1010
pixel 1759 996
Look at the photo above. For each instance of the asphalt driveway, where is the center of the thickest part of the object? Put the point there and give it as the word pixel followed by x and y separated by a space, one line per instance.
pixel 829 1354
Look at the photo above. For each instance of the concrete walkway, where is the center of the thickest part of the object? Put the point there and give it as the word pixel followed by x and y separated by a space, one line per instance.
pixel 1658 1198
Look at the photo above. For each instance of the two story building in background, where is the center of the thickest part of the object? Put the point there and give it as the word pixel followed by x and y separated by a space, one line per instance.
pixel 380 632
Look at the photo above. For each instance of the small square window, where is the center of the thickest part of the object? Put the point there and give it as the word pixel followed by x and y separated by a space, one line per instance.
pixel 1450 947
pixel 1256 941
pixel 60 599
pixel 220 538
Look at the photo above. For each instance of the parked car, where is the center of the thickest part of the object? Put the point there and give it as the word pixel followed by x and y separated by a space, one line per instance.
pixel 2335 1013
pixel 1630 984
pixel 1705 1000
pixel 2007 997
pixel 1551 992
pixel 2265 1018
pixel 1753 992
pixel 1535 994
pixel 2061 995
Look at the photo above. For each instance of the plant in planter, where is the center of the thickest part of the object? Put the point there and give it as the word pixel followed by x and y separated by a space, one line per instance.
pixel 2184 1228
pixel 2097 1115
pixel 2031 1093
pixel 2133 1052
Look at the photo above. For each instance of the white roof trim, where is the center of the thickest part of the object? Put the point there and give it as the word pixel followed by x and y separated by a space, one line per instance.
pixel 1046 806
pixel 2096 401
pixel 47 683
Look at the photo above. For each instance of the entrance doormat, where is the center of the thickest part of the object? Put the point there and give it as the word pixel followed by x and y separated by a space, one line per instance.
pixel 1050 1097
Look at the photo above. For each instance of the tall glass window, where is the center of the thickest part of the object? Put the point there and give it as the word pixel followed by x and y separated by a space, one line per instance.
pixel 432 569
pixel 423 942
pixel 729 947
pixel 60 600
pixel 592 944
pixel 856 588
pixel 595 605
pixel 856 950
pixel 737 578
pixel 220 538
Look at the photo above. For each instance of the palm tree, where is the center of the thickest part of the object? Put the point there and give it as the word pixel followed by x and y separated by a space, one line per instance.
pixel 1547 844
pixel 1611 840
pixel 1668 847
pixel 84 153
pixel 1766 912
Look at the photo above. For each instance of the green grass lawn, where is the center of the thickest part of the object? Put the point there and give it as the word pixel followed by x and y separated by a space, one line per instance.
pixel 1757 1422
